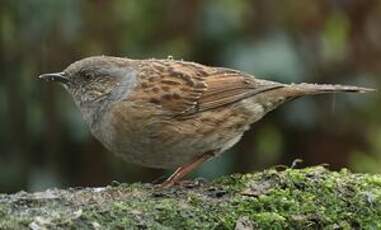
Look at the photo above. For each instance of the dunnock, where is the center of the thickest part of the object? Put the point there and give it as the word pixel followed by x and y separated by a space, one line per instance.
pixel 164 113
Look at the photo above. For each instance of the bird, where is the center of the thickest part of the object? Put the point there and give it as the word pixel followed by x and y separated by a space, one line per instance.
pixel 173 114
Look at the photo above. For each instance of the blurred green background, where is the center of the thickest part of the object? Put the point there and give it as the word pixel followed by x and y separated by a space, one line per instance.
pixel 44 142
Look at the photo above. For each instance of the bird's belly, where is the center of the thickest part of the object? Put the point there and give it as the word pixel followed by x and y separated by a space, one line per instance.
pixel 175 152
pixel 173 143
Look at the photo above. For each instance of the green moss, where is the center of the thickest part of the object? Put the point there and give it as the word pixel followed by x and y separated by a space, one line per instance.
pixel 312 197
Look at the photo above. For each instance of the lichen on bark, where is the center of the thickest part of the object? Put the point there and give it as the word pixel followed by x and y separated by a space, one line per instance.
pixel 293 198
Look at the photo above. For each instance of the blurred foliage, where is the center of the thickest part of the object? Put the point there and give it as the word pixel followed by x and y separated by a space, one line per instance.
pixel 44 142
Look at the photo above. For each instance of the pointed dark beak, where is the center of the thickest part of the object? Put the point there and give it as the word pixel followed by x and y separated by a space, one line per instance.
pixel 58 77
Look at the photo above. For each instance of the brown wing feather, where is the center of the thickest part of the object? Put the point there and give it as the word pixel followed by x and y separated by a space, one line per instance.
pixel 185 88
pixel 174 85
pixel 227 86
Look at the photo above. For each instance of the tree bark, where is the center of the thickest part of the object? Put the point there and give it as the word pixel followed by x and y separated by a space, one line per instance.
pixel 290 198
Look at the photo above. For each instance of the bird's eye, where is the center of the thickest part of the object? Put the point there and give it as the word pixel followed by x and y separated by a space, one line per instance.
pixel 88 75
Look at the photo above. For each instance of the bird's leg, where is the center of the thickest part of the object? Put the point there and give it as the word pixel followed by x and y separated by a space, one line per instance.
pixel 184 170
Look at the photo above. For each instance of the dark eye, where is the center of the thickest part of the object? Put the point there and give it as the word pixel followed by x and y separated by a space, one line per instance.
pixel 88 75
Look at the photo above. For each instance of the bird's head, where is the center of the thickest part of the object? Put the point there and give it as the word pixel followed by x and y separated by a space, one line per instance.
pixel 94 78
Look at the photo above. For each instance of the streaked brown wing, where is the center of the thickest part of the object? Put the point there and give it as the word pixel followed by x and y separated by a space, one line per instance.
pixel 174 85
pixel 185 88
pixel 227 86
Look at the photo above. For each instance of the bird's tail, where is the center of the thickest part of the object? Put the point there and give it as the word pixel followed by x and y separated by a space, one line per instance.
pixel 312 89
pixel 278 95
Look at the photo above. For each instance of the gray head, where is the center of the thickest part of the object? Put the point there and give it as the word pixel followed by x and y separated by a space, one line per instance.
pixel 95 82
pixel 91 79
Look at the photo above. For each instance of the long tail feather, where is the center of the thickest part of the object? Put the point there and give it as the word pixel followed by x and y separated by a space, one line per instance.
pixel 306 88
pixel 273 98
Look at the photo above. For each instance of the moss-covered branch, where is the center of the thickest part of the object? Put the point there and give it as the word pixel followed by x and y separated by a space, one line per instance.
pixel 312 197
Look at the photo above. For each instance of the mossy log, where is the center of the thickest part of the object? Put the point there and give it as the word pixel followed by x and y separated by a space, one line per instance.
pixel 292 198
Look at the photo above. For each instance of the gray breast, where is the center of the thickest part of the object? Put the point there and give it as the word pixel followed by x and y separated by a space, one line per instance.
pixel 127 82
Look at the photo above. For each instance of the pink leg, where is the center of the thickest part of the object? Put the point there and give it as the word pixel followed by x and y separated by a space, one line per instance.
pixel 184 170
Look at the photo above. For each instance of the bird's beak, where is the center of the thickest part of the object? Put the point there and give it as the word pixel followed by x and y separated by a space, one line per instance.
pixel 59 77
